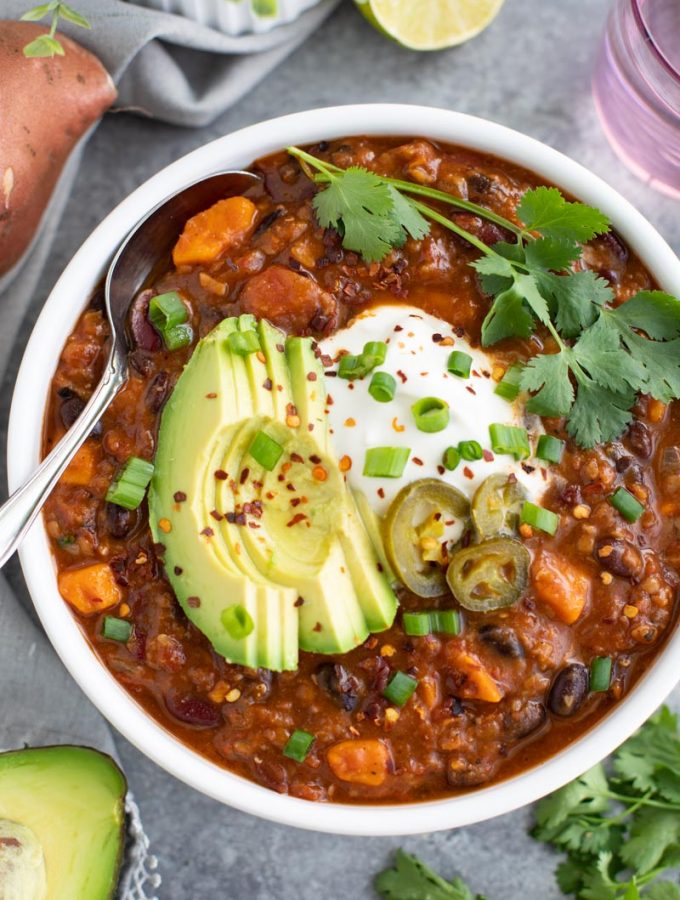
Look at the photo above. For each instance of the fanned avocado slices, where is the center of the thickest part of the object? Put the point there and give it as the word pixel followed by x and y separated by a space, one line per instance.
pixel 263 543
pixel 61 824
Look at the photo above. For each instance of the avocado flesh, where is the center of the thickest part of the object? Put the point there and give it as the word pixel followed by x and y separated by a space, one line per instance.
pixel 66 805
pixel 297 580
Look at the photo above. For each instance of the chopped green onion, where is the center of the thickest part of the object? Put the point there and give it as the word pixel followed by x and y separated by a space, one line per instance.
pixel 508 387
pixel 130 484
pixel 265 450
pixel 179 336
pixel 243 342
pixel 509 439
pixel 430 414
pixel 298 745
pixel 436 621
pixel 349 367
pixel 549 448
pixel 374 353
pixel 539 517
pixel 459 364
pixel 451 458
pixel 470 450
pixel 600 674
pixel 382 387
pixel 386 462
pixel 237 621
pixel 629 506
pixel 400 688
pixel 116 629
pixel 66 540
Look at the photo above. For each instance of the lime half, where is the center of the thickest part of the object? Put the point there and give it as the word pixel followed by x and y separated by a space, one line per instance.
pixel 430 24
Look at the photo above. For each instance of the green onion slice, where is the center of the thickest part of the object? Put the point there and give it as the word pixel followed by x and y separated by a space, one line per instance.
pixel 430 414
pixel 237 621
pixel 179 336
pixel 539 517
pixel 298 745
pixel 550 448
pixel 509 439
pixel 243 342
pixel 400 688
pixel 436 621
pixel 167 314
pixel 508 387
pixel 374 354
pixel 470 450
pixel 451 458
pixel 629 506
pixel 386 462
pixel 349 367
pixel 600 674
pixel 459 364
pixel 265 450
pixel 116 629
pixel 383 387
pixel 130 484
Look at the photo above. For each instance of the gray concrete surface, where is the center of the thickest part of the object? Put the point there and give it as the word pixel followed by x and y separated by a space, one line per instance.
pixel 530 70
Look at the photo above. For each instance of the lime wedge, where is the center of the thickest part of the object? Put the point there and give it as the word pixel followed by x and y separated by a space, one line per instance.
pixel 430 24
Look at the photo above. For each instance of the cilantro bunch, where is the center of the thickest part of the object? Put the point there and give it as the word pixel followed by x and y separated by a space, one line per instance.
pixel 603 356
pixel 411 879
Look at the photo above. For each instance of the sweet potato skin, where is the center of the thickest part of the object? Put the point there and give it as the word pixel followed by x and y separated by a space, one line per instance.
pixel 46 106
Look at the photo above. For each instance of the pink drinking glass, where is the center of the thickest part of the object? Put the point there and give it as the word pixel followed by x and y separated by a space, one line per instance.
pixel 636 85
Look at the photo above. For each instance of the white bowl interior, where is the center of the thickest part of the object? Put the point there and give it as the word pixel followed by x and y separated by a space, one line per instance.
pixel 24 447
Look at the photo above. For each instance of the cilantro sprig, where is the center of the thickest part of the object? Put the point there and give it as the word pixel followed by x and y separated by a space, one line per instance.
pixel 47 45
pixel 411 879
pixel 603 357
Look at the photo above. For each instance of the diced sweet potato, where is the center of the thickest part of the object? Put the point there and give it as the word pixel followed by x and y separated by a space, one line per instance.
pixel 476 683
pixel 210 233
pixel 560 585
pixel 291 301
pixel 83 467
pixel 90 589
pixel 360 762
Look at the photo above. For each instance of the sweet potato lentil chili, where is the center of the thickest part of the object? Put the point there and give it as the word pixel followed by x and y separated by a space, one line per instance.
pixel 452 733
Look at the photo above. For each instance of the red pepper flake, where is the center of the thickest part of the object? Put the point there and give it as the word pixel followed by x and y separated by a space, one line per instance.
pixel 403 377
pixel 417 460
pixel 326 360
pixel 297 518
pixel 311 376
pixel 299 601
pixel 315 459
pixel 437 338
pixel 512 478
pixel 467 471
pixel 441 470
pixel 424 374
pixel 379 567
pixel 488 455
pixel 286 467
pixel 210 396
pixel 254 525
pixel 221 475
pixel 329 400
pixel 179 496
pixel 318 627
pixel 270 495
pixel 296 501
pixel 178 570
pixel 459 331
pixel 208 532
pixel 279 387
pixel 470 390
pixel 291 409
pixel 280 348
pixel 310 427
pixel 267 384
pixel 350 386
pixel 296 458
pixel 437 516
pixel 329 373
pixel 381 493
pixel 476 373
pixel 398 328
pixel 528 469
pixel 194 602
pixel 290 486
pixel 217 516
pixel 244 475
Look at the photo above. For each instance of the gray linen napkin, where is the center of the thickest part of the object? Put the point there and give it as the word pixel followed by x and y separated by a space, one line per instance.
pixel 176 70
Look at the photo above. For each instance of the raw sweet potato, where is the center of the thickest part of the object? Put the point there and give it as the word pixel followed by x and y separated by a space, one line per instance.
pixel 46 106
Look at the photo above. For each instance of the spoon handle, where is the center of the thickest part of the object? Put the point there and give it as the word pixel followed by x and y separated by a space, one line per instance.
pixel 19 512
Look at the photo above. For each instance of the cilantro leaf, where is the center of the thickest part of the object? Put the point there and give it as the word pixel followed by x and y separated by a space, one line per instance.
pixel 549 376
pixel 654 312
pixel 653 832
pixel 598 351
pixel 599 414
pixel 663 890
pixel 406 214
pixel 411 879
pixel 576 298
pixel 551 253
pixel 650 755
pixel 508 317
pixel 545 210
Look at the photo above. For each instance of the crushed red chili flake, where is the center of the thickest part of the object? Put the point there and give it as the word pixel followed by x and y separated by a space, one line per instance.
pixel 210 396
pixel 267 384
pixel 297 458
pixel 290 486
pixel 488 455
pixel 315 459
pixel 179 496
pixel 208 532
pixel 417 460
pixel 398 328
pixel 310 427
pixel 329 400
pixel 217 516
pixel 381 493
pixel 178 570
pixel 299 601
pixel 318 627
pixel 244 475
pixel 297 518
pixel 280 348
pixel 159 549
pixel 194 602
pixel 403 377
pixel 437 338
pixel 296 501
pixel 528 469
pixel 467 471
pixel 470 390
pixel 291 409
pixel 221 475
pixel 311 376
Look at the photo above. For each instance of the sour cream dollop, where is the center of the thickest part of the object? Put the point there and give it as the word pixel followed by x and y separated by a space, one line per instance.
pixel 418 348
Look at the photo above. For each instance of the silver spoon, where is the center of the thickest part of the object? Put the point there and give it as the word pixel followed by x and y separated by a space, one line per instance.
pixel 147 243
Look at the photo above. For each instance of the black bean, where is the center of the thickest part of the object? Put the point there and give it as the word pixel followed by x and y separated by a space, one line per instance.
pixel 614 244
pixel 639 439
pixel 523 721
pixel 569 690
pixel 141 362
pixel 341 685
pixel 97 301
pixel 462 772
pixel 478 183
pixel 157 392
pixel 503 640
pixel 670 461
pixel 269 220
pixel 70 410
pixel 620 557
pixel 119 521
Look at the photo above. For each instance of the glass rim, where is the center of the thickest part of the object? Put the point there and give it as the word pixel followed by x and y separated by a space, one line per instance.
pixel 636 6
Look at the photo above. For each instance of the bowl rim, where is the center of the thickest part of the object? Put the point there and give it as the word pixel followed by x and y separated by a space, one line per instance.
pixel 236 150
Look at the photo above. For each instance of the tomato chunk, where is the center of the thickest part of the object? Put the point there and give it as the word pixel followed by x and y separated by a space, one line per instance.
pixel 360 762
pixel 560 585
pixel 211 233
pixel 291 301
pixel 90 589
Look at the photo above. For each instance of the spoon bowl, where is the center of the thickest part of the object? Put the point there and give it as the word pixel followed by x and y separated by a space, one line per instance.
pixel 151 239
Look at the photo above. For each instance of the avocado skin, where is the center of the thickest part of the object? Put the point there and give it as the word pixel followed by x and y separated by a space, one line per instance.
pixel 73 799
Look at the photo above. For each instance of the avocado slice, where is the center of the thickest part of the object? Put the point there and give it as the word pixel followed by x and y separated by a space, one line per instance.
pixel 62 814
pixel 283 541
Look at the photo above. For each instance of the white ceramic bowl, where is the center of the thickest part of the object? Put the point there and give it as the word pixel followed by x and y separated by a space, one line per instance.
pixel 42 353
pixel 234 17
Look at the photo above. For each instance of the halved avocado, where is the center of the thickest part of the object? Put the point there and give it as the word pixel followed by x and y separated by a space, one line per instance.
pixel 62 818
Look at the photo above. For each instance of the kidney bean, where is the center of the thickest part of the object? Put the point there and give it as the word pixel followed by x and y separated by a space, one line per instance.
pixel 613 243
pixel 142 331
pixel 639 439
pixel 119 521
pixel 193 710
pixel 503 640
pixel 569 690
pixel 157 392
pixel 340 684
pixel 620 557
